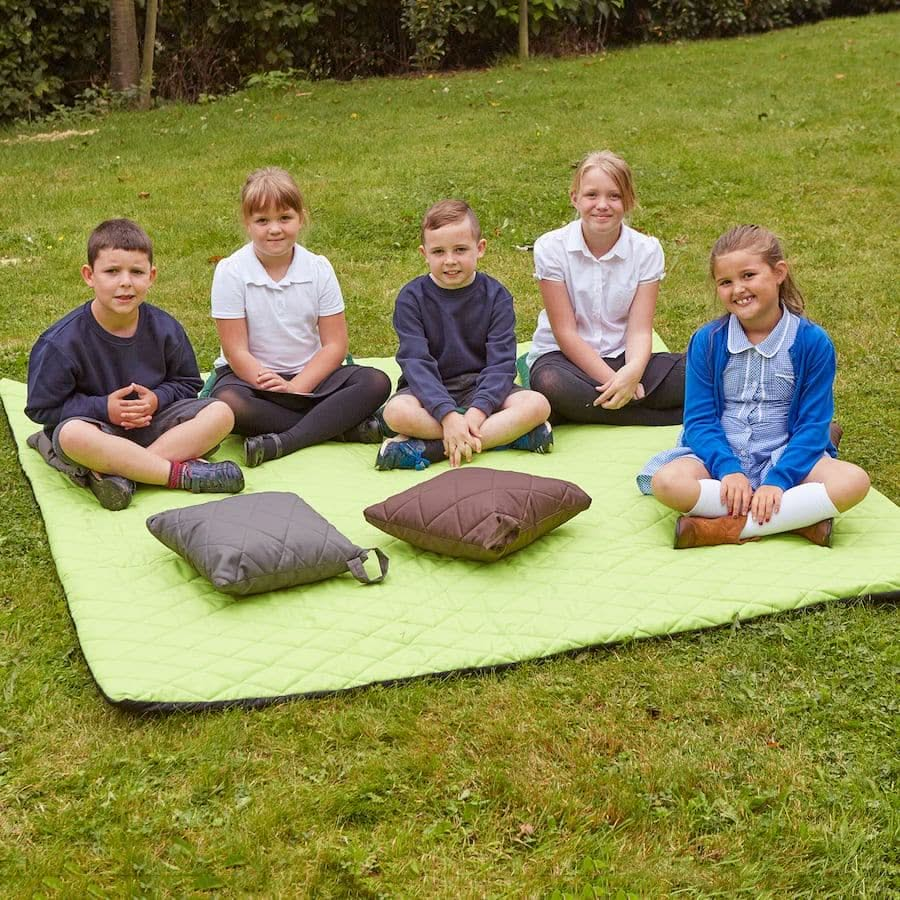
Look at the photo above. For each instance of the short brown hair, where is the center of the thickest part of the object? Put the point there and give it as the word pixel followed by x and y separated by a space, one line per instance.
pixel 613 166
pixel 446 212
pixel 118 234
pixel 271 186
pixel 762 243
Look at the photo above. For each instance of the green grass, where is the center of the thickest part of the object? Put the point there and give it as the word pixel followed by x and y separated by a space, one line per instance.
pixel 759 761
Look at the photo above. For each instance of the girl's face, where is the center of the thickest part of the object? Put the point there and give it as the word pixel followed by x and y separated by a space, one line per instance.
pixel 601 207
pixel 273 231
pixel 748 287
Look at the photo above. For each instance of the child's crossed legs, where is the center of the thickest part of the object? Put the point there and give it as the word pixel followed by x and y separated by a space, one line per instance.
pixel 462 434
pixel 832 486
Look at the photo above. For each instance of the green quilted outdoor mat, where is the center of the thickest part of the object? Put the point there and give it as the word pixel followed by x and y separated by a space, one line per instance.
pixel 156 636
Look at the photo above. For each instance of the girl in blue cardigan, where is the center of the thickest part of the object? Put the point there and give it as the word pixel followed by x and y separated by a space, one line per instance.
pixel 755 456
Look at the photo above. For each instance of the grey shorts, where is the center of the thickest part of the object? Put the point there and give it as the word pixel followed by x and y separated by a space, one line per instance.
pixel 175 414
pixel 461 389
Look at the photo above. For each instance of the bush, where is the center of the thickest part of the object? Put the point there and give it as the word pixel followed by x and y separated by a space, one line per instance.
pixel 51 52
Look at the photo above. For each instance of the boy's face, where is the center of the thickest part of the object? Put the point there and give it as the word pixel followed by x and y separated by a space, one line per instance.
pixel 120 280
pixel 452 254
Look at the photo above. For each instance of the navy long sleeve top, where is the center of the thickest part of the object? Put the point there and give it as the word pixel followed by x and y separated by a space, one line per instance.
pixel 76 364
pixel 446 333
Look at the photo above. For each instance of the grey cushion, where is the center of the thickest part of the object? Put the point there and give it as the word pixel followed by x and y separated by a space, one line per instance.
pixel 260 542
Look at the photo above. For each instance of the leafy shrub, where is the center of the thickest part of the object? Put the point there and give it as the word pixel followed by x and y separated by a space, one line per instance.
pixel 50 53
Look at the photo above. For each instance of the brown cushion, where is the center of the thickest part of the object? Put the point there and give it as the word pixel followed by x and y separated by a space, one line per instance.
pixel 478 513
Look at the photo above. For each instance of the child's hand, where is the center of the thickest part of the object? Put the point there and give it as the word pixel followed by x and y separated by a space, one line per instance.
pixel 736 493
pixel 130 414
pixel 766 502
pixel 621 389
pixel 475 419
pixel 459 441
pixel 267 380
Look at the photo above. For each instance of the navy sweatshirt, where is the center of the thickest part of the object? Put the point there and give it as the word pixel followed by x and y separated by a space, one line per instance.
pixel 76 364
pixel 446 333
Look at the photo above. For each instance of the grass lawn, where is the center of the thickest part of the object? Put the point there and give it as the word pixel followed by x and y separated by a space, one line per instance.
pixel 757 761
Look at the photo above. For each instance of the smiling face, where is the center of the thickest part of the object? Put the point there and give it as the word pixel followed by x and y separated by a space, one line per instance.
pixel 452 254
pixel 749 287
pixel 273 231
pixel 601 205
pixel 120 280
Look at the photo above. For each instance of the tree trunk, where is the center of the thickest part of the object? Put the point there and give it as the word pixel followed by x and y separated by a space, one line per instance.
pixel 123 46
pixel 147 56
pixel 523 30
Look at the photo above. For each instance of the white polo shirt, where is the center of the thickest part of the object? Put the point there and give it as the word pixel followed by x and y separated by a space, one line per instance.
pixel 600 289
pixel 282 316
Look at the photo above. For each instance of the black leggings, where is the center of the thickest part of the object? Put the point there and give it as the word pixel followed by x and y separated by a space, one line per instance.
pixel 572 392
pixel 348 396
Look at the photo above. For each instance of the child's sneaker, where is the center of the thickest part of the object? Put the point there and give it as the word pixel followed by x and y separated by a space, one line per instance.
pixel 113 491
pixel 402 454
pixel 201 477
pixel 538 440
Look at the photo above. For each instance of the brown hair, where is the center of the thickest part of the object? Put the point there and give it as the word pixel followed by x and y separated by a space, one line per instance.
pixel 118 234
pixel 763 243
pixel 271 186
pixel 446 212
pixel 613 166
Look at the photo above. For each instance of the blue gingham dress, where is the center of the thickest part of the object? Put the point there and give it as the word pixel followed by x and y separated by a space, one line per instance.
pixel 758 383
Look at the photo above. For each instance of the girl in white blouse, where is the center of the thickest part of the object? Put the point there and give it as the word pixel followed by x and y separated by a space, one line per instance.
pixel 599 279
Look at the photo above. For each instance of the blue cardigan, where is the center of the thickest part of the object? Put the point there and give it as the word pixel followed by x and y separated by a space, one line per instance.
pixel 809 416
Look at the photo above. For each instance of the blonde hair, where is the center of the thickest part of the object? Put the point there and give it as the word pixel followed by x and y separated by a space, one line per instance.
pixel 271 186
pixel 446 212
pixel 613 166
pixel 762 243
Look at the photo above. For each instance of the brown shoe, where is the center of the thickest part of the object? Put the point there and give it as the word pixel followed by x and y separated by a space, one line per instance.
pixel 696 531
pixel 835 432
pixel 819 534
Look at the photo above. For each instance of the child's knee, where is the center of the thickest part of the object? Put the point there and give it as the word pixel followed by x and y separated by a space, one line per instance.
pixel 398 410
pixel 850 487
pixel 74 436
pixel 535 406
pixel 221 413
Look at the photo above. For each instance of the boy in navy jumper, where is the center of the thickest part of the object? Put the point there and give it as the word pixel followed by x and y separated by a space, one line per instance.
pixel 115 382
pixel 457 352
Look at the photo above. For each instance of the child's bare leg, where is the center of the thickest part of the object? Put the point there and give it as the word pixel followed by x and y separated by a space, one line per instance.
pixel 677 484
pixel 405 415
pixel 193 438
pixel 107 454
pixel 845 483
pixel 520 412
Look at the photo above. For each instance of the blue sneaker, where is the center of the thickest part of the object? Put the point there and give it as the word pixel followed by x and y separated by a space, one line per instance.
pixel 407 454
pixel 538 440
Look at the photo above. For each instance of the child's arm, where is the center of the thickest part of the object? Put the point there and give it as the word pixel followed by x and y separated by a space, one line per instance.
pixel 335 344
pixel 809 438
pixel 53 394
pixel 624 386
pixel 703 431
pixel 420 368
pixel 561 315
pixel 496 379
pixel 182 379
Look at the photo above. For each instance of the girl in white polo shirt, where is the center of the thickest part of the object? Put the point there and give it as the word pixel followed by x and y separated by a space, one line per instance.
pixel 599 280
pixel 280 317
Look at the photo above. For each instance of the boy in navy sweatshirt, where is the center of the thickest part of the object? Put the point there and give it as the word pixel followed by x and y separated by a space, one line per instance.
pixel 115 382
pixel 457 353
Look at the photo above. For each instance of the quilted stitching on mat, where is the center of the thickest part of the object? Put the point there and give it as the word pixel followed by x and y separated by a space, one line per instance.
pixel 152 631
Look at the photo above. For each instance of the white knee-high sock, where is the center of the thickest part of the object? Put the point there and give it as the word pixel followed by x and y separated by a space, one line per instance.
pixel 803 505
pixel 709 504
